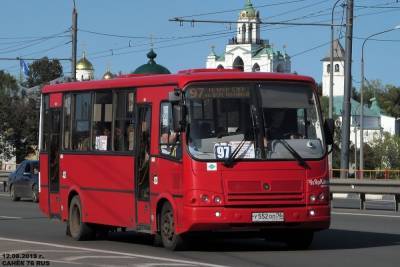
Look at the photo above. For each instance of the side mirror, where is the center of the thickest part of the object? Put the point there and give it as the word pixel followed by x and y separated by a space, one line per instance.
pixel 178 117
pixel 329 130
pixel 175 96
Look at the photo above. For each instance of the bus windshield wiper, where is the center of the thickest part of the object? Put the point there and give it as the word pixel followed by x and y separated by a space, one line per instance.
pixel 294 153
pixel 231 159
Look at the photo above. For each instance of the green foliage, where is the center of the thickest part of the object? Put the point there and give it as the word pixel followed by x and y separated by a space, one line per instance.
pixel 43 71
pixel 386 152
pixel 19 119
pixel 389 101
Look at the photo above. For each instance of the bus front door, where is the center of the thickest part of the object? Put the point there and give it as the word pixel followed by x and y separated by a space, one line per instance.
pixel 142 168
pixel 54 158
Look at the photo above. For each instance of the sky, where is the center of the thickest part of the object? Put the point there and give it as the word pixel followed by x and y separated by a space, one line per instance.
pixel 118 34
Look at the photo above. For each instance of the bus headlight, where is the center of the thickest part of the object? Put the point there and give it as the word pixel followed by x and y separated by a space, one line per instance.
pixel 313 198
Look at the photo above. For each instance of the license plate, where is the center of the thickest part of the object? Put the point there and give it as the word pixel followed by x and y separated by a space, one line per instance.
pixel 267 217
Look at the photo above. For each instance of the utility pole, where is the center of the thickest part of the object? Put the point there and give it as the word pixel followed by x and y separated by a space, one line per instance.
pixel 74 41
pixel 344 153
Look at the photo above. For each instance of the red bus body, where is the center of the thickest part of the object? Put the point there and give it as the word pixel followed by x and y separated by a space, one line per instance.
pixel 105 181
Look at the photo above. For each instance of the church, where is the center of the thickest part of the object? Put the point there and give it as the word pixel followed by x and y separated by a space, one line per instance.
pixel 375 120
pixel 247 51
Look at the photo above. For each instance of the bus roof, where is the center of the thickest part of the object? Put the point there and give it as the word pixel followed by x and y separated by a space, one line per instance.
pixel 180 79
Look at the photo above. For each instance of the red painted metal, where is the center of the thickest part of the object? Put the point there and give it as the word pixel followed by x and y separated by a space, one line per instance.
pixel 56 100
pixel 106 182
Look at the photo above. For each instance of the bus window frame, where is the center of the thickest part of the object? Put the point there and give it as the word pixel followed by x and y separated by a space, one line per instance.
pixel 160 154
pixel 92 151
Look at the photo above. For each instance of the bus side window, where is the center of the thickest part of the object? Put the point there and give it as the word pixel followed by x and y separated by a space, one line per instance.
pixel 169 139
pixel 81 122
pixel 67 121
pixel 124 134
pixel 102 119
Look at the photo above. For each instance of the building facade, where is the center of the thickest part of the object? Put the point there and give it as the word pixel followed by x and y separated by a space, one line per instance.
pixel 247 51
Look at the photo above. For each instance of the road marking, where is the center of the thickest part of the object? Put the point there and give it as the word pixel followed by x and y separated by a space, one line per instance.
pixel 111 252
pixel 10 217
pixel 364 214
pixel 74 258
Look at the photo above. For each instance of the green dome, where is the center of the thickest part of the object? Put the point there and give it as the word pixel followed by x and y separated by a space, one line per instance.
pixel 248 11
pixel 151 67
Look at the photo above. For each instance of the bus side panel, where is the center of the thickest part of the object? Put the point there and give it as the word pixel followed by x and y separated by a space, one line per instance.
pixel 44 184
pixel 106 186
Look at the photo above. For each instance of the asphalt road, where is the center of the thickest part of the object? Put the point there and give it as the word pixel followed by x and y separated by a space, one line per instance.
pixel 356 238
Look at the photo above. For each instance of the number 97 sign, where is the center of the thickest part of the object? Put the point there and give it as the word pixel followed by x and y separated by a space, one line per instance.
pixel 222 151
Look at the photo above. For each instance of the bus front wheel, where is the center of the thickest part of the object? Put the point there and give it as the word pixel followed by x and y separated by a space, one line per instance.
pixel 76 228
pixel 170 239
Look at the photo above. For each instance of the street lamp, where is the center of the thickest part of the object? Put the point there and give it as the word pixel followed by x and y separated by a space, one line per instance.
pixel 362 97
pixel 331 65
pixel 330 110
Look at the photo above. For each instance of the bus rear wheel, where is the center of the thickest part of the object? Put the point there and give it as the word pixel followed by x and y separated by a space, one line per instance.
pixel 169 238
pixel 76 228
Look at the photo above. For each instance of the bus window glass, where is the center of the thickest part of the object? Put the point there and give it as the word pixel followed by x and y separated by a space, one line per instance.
pixel 81 122
pixel 219 121
pixel 45 122
pixel 67 121
pixel 255 117
pixel 169 139
pixel 102 119
pixel 124 121
pixel 290 113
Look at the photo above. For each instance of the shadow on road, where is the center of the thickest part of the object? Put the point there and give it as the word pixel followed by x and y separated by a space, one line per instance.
pixel 325 240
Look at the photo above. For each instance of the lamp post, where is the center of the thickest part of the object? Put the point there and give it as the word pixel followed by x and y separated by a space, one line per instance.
pixel 362 97
pixel 330 110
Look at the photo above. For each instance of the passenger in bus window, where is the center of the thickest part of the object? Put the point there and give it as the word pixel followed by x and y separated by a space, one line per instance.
pixel 119 140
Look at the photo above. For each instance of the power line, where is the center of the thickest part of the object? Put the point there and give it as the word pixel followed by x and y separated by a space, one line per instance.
pixel 238 9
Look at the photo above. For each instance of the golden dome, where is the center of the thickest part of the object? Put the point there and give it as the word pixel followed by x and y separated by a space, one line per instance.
pixel 84 64
pixel 108 75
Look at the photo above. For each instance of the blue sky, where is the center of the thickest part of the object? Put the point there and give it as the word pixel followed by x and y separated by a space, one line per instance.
pixel 24 22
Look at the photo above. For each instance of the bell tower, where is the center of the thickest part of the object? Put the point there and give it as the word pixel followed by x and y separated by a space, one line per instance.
pixel 248 26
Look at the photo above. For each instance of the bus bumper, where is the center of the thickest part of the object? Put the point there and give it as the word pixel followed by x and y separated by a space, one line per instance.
pixel 219 218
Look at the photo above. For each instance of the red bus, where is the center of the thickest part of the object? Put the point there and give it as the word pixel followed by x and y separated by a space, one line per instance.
pixel 195 151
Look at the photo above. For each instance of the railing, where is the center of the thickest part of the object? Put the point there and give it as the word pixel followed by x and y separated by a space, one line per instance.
pixel 386 174
pixel 7 166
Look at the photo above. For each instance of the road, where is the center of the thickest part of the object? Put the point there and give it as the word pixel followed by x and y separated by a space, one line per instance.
pixel 356 238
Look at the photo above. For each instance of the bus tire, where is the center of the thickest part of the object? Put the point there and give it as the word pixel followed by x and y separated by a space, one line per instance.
pixel 13 194
pixel 169 238
pixel 299 240
pixel 78 229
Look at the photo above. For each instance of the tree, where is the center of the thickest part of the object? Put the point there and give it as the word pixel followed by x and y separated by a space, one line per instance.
pixel 43 71
pixel 18 120
pixel 389 101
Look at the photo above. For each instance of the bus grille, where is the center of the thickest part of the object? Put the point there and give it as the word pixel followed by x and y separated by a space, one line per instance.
pixel 279 192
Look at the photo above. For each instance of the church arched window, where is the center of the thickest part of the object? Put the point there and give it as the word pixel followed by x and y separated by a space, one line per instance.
pixel 243 33
pixel 337 68
pixel 238 64
pixel 328 68
pixel 280 68
pixel 256 68
pixel 250 33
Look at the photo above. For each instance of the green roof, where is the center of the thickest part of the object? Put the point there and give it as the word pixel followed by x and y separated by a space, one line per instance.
pixel 151 67
pixel 355 108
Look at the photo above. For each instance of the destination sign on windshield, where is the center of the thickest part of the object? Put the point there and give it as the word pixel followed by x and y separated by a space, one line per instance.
pixel 218 92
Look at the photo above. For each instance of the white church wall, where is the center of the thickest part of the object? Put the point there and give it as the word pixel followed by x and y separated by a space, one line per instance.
pixel 388 124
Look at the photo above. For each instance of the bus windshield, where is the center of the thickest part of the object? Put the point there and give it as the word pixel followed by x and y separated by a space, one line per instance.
pixel 258 121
